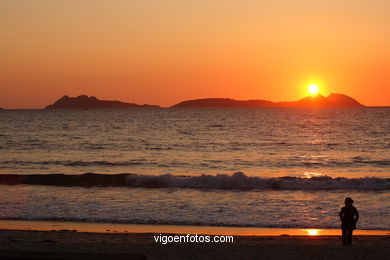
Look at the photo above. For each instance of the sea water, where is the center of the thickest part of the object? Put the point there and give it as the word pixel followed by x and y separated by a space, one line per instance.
pixel 225 167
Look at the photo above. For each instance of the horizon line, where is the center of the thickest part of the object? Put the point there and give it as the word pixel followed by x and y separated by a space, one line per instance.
pixel 308 96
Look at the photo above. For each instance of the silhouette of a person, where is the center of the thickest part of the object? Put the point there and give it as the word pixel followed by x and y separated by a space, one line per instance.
pixel 349 216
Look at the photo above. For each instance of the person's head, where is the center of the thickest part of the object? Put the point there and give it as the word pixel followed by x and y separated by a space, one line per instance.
pixel 348 201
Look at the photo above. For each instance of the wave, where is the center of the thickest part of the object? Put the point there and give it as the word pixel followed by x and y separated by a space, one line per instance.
pixel 236 181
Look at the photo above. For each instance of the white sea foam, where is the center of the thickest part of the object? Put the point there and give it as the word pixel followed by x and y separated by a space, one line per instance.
pixel 239 180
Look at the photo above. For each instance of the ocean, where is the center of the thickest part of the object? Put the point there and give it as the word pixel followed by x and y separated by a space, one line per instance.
pixel 282 168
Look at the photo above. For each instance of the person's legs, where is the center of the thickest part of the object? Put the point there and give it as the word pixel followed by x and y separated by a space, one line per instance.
pixel 349 236
pixel 344 234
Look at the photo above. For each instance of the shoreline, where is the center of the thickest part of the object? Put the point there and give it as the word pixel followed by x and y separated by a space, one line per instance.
pixel 87 227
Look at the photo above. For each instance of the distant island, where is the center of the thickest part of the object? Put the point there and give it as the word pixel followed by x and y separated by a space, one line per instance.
pixel 318 101
pixel 85 102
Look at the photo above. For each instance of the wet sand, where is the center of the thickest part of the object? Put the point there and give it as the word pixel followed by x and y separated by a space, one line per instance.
pixel 175 229
pixel 24 244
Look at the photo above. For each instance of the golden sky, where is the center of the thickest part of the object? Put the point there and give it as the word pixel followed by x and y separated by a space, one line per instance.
pixel 166 51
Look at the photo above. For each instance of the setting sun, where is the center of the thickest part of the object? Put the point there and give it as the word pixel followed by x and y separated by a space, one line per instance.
pixel 313 89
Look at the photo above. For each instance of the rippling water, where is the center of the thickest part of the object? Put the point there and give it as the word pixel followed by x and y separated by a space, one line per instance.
pixel 278 142
pixel 327 154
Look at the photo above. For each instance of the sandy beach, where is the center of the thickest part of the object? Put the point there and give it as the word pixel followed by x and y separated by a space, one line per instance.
pixel 72 244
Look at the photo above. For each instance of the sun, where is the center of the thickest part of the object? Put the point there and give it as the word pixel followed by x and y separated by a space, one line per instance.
pixel 313 89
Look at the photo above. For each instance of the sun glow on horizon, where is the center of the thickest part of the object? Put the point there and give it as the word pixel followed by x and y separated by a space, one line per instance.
pixel 313 89
pixel 137 52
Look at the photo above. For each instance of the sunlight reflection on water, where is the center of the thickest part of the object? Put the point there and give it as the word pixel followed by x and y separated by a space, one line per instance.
pixel 313 232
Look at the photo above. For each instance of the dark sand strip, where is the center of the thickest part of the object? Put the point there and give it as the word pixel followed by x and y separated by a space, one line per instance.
pixel 65 256
pixel 76 245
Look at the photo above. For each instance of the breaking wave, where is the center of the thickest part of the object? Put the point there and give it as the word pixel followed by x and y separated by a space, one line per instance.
pixel 237 180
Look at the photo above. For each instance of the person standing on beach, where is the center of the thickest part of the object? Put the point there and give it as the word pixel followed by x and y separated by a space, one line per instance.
pixel 349 216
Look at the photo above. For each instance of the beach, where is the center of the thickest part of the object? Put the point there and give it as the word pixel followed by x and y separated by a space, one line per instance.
pixel 23 244
pixel 61 240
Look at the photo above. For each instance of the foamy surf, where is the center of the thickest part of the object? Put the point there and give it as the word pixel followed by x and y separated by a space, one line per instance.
pixel 237 180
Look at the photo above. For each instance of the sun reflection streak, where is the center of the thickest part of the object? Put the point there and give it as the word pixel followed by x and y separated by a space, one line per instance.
pixel 313 232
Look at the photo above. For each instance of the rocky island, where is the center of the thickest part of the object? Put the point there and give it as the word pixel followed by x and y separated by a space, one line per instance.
pixel 86 102
pixel 318 101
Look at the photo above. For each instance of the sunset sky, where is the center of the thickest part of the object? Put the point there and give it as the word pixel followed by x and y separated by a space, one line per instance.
pixel 166 51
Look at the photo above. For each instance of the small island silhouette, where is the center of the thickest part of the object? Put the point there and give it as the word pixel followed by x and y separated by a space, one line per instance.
pixel 318 101
pixel 85 102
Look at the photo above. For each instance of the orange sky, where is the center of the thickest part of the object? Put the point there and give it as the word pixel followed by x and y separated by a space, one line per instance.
pixel 166 51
